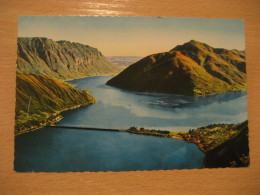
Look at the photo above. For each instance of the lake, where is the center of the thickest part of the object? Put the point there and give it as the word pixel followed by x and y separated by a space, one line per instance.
pixel 61 150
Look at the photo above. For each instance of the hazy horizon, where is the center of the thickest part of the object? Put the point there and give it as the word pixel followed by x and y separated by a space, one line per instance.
pixel 134 36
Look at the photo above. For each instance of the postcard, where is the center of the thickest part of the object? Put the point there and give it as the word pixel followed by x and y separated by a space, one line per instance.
pixel 130 93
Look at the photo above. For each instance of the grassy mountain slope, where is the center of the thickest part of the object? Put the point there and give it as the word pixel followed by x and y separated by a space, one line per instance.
pixel 47 98
pixel 190 69
pixel 61 59
pixel 234 152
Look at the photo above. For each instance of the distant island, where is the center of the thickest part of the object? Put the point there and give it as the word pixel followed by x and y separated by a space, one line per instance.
pixel 193 69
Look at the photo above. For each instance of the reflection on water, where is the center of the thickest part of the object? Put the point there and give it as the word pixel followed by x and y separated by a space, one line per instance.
pixel 118 108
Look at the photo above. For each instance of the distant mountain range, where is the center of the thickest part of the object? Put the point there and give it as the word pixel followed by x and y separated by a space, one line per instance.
pixel 123 60
pixel 193 68
pixel 61 59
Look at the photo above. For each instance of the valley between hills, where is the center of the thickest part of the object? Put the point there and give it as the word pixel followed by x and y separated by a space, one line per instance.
pixel 193 69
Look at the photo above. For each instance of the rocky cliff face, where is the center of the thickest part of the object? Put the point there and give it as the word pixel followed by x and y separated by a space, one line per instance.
pixel 61 59
pixel 193 68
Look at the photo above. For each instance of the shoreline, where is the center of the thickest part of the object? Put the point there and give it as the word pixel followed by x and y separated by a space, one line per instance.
pixel 206 138
pixel 57 117
pixel 88 77
pixel 159 133
pixel 195 95
pixel 171 93
pixel 184 136
pixel 200 146
pixel 227 146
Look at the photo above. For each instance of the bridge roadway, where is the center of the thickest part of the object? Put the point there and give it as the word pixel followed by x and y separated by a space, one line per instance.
pixel 85 128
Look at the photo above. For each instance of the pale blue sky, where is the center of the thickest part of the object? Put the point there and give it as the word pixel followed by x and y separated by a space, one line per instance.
pixel 134 36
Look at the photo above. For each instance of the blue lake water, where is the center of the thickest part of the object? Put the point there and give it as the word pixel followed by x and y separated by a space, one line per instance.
pixel 122 109
pixel 54 149
pixel 63 150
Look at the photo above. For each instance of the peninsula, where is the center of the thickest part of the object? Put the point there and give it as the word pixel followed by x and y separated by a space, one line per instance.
pixel 224 145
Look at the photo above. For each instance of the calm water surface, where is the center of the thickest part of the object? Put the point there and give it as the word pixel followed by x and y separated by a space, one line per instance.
pixel 54 149
pixel 62 150
pixel 123 109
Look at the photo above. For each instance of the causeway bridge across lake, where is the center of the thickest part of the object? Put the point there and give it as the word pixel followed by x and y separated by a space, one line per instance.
pixel 85 128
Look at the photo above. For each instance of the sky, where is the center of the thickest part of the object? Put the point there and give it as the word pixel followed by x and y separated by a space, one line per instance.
pixel 135 36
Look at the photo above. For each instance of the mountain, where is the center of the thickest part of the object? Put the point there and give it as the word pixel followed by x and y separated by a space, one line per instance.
pixel 234 152
pixel 123 60
pixel 61 59
pixel 193 68
pixel 40 98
